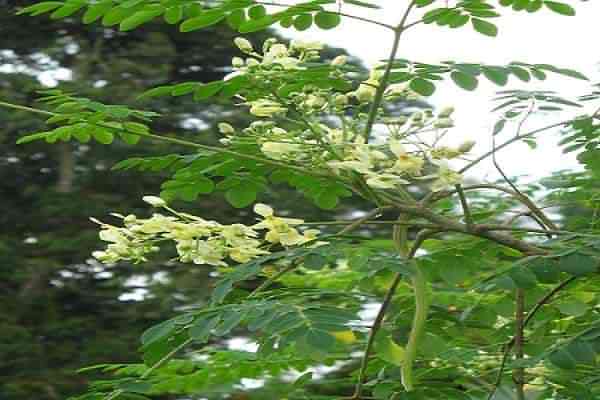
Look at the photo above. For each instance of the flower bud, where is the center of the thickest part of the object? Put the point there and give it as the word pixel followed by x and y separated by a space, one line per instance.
pixel 278 50
pixel 466 146
pixel 444 123
pixel 315 101
pixel 339 61
pixel 252 62
pixel 266 108
pixel 446 112
pixel 154 201
pixel 268 43
pixel 340 100
pixel 243 44
pixel 225 128
pixel 365 93
pixel 237 62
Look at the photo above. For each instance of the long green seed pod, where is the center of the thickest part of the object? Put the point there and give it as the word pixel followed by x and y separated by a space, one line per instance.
pixel 418 326
pixel 419 282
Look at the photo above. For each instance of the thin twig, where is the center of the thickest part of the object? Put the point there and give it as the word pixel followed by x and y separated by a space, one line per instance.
pixel 386 73
pixel 509 346
pixel 519 372
pixel 465 207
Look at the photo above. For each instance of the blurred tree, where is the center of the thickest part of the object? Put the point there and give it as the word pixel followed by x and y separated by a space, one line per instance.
pixel 60 308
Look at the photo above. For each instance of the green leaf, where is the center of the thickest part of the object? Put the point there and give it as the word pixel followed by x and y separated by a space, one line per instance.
pixel 254 25
pixel 30 138
pixel 201 329
pixel 574 308
pixel 484 27
pixel 499 126
pixel 240 196
pixel 67 9
pixel 498 75
pixel 116 15
pixel 41 8
pixel 327 20
pixel 103 136
pixel 389 351
pixel 327 200
pixel 303 379
pixel 207 90
pixel 206 19
pixel 464 80
pixel 128 138
pixel 173 15
pixel 578 264
pixel 520 73
pixel 562 359
pixel 257 12
pixel 422 86
pixel 157 332
pixel 95 11
pixel 560 8
pixel 236 18
pixel 138 19
pixel 320 340
pixel 303 21
pixel 230 321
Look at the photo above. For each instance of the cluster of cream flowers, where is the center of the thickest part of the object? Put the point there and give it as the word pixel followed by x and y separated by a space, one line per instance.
pixel 275 57
pixel 404 158
pixel 197 240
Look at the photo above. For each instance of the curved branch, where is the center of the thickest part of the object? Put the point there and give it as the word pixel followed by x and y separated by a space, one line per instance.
pixel 517 195
pixel 511 141
pixel 386 73
pixel 188 143
pixel 508 346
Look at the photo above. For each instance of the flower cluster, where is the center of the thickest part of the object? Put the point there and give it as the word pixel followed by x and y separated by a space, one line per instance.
pixel 197 240
pixel 403 158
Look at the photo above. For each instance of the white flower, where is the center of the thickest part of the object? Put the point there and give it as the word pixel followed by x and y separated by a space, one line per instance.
pixel 277 50
pixel 358 166
pixel 339 61
pixel 252 62
pixel 266 108
pixel 406 163
pixel 384 181
pixel 279 150
pixel 306 45
pixel 243 44
pixel 225 128
pixel 446 177
pixel 287 62
pixel 263 210
pixel 396 89
pixel 154 201
pixel 279 229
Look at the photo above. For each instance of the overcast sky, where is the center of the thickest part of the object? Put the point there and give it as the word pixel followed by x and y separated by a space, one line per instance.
pixel 543 37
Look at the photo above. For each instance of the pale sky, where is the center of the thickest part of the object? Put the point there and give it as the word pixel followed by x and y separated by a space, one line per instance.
pixel 543 37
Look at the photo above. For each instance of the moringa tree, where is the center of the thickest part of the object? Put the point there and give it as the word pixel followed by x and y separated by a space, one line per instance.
pixel 479 292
